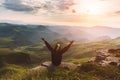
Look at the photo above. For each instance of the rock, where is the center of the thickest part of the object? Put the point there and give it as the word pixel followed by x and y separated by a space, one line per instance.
pixel 49 67
pixel 92 59
pixel 46 64
pixel 38 68
pixel 118 50
pixel 113 63
pixel 110 61
pixel 64 65
pixel 102 55
pixel 100 58
pixel 113 51
pixel 104 63
pixel 113 59
pixel 103 52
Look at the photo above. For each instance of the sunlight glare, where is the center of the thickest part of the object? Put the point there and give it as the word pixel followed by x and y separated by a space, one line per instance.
pixel 89 7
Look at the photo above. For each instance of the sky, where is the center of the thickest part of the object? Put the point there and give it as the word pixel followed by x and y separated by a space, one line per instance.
pixel 62 12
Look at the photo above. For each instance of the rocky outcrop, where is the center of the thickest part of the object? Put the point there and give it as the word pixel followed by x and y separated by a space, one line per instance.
pixel 113 51
pixel 105 57
pixel 101 55
pixel 110 61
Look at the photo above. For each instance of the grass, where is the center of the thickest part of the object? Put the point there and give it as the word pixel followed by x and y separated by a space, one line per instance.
pixel 102 73
pixel 12 72
pixel 86 71
pixel 79 53
pixel 5 40
pixel 79 61
pixel 4 51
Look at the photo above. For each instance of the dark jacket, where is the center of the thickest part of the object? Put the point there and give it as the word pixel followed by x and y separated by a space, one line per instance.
pixel 57 52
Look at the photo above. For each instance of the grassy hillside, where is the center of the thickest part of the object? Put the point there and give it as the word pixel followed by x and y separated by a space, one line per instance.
pixel 26 34
pixel 78 51
pixel 21 50
pixel 12 67
pixel 86 71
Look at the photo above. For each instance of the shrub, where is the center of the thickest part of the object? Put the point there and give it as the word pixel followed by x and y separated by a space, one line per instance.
pixel 117 55
pixel 87 67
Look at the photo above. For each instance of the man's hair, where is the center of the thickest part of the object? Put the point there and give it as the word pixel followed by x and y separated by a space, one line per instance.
pixel 58 46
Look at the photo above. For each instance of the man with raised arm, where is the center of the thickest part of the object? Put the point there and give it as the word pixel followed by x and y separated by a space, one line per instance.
pixel 57 52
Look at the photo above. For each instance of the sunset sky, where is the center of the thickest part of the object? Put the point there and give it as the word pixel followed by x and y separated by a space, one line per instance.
pixel 62 12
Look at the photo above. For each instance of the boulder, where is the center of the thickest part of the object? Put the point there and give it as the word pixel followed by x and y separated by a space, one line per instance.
pixel 110 61
pixel 100 58
pixel 102 55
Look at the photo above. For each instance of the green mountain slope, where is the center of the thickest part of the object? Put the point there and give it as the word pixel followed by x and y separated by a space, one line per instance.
pixel 21 50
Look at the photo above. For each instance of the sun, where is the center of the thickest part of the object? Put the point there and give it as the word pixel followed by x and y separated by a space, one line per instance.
pixel 90 7
pixel 93 10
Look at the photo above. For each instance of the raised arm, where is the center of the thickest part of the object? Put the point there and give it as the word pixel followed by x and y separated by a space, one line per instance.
pixel 67 47
pixel 47 44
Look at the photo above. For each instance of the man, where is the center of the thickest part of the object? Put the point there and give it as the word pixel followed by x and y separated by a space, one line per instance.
pixel 57 52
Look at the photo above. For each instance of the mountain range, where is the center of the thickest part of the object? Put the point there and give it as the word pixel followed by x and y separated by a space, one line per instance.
pixel 31 33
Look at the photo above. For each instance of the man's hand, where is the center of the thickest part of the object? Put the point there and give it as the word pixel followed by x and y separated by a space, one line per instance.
pixel 71 41
pixel 42 38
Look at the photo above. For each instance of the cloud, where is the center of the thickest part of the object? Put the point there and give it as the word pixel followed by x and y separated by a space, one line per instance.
pixel 117 12
pixel 51 6
pixel 16 5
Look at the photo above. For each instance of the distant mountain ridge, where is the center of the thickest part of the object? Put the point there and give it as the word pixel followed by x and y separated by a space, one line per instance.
pixel 88 33
pixel 12 35
pixel 32 33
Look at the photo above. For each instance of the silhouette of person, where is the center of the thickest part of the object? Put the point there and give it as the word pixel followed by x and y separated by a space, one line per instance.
pixel 57 52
